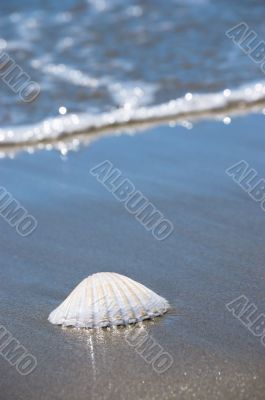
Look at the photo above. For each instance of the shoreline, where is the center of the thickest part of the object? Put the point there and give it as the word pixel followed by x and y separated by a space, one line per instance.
pixel 72 131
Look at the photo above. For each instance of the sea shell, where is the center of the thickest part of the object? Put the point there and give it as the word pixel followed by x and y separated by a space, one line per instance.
pixel 108 299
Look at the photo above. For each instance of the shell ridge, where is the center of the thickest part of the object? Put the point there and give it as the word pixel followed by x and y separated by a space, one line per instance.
pixel 79 307
pixel 85 318
pixel 132 310
pixel 135 286
pixel 140 288
pixel 98 297
pixel 148 293
pixel 105 298
pixel 134 294
pixel 152 298
pixel 118 300
pixel 93 302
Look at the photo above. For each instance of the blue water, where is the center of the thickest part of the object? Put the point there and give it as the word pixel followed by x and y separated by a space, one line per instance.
pixel 94 56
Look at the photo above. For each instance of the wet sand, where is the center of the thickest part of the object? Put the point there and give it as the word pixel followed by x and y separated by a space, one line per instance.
pixel 215 254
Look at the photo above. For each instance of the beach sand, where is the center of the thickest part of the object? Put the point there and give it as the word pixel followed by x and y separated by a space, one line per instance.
pixel 215 254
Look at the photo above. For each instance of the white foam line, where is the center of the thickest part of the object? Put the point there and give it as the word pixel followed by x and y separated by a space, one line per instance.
pixel 187 107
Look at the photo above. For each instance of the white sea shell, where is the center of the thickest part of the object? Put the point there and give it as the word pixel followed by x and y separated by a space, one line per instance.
pixel 108 299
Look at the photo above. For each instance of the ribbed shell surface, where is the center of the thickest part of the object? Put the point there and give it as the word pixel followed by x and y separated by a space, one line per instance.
pixel 108 299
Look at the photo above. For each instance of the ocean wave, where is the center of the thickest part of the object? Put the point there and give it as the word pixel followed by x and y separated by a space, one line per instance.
pixel 63 131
